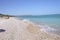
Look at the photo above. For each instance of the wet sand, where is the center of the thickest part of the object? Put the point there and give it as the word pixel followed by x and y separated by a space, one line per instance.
pixel 16 29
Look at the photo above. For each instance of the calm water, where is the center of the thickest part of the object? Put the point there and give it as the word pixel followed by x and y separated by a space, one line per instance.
pixel 50 23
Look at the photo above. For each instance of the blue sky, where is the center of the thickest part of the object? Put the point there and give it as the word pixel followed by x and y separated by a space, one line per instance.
pixel 30 7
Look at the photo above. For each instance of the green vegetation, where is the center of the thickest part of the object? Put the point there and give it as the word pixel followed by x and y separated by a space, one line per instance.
pixel 3 15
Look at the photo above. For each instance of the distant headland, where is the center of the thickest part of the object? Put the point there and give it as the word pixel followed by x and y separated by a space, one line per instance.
pixel 5 16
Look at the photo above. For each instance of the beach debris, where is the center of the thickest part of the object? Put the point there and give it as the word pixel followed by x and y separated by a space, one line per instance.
pixel 2 30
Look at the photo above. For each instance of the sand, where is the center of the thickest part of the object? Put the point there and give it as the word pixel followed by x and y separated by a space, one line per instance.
pixel 16 29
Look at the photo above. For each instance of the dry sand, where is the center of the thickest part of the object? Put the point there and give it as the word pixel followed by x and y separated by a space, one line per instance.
pixel 23 30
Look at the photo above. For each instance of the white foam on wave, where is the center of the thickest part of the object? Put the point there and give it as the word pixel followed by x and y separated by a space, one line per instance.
pixel 28 21
pixel 46 28
pixel 25 20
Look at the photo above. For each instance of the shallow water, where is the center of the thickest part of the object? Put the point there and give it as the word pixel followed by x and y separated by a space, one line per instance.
pixel 48 23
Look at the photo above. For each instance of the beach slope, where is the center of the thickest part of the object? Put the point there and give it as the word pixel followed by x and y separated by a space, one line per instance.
pixel 16 29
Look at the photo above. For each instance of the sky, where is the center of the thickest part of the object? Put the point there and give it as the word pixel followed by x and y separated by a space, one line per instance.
pixel 30 7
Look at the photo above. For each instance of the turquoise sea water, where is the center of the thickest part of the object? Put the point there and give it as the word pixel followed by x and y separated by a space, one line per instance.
pixel 53 21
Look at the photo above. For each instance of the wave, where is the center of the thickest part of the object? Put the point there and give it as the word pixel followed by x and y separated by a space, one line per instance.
pixel 28 21
pixel 47 28
pixel 44 27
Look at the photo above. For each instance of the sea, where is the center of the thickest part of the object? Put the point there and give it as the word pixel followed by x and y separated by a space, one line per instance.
pixel 49 23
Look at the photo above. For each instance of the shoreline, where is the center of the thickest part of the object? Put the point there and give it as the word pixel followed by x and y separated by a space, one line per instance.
pixel 44 27
pixel 39 25
pixel 17 29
